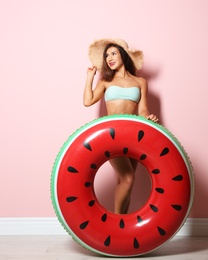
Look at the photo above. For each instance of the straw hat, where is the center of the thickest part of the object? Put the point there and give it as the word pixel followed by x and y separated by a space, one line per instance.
pixel 97 47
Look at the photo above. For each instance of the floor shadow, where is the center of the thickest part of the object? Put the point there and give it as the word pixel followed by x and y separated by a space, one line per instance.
pixel 180 246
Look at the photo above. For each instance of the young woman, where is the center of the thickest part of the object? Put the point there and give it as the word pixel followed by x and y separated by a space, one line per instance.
pixel 124 93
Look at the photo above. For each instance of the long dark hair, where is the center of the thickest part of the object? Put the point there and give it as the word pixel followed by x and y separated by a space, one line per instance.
pixel 106 73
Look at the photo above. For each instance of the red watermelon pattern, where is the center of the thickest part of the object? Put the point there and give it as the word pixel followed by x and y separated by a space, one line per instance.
pixel 87 220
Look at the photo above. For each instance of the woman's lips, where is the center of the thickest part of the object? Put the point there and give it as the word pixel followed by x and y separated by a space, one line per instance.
pixel 111 64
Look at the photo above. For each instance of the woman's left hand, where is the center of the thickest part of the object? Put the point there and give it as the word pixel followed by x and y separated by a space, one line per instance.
pixel 153 118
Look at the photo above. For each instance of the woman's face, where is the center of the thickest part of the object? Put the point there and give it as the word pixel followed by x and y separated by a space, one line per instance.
pixel 113 58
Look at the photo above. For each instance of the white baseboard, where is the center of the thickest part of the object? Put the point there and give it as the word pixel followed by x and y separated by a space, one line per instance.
pixel 51 226
pixel 31 226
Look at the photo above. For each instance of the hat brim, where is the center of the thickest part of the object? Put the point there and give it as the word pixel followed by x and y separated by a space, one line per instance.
pixel 97 47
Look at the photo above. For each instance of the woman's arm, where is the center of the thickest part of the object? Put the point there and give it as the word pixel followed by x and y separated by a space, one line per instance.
pixel 92 96
pixel 143 107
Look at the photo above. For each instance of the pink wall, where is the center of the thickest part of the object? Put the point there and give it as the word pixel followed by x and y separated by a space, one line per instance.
pixel 43 61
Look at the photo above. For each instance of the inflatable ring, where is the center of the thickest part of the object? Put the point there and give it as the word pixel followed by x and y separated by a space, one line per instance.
pixel 119 235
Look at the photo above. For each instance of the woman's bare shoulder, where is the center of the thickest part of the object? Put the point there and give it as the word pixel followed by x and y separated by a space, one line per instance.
pixel 141 82
pixel 101 84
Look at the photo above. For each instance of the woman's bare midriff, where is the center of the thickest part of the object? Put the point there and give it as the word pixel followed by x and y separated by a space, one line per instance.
pixel 121 107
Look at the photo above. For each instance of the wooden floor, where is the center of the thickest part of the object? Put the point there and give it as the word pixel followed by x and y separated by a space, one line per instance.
pixel 65 248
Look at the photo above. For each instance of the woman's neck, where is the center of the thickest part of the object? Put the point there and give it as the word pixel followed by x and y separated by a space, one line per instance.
pixel 121 73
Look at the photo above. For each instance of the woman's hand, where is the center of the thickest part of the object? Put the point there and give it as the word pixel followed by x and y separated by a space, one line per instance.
pixel 153 118
pixel 91 71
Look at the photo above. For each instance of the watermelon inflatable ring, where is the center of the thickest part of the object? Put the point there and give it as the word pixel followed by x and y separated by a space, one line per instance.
pixel 92 225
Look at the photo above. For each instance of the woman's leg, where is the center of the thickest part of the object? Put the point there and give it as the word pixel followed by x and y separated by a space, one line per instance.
pixel 125 170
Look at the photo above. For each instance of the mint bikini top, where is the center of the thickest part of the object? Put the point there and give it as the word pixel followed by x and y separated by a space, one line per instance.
pixel 116 92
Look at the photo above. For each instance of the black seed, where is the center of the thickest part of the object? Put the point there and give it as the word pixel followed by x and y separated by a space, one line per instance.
pixel 93 166
pixel 125 150
pixel 84 225
pixel 107 154
pixel 72 169
pixel 136 243
pixel 143 156
pixel 177 207
pixel 104 217
pixel 164 151
pixel 156 171
pixel 160 190
pixel 139 219
pixel 71 199
pixel 178 178
pixel 87 184
pixel 154 208
pixel 161 231
pixel 112 133
pixel 140 135
pixel 91 203
pixel 107 241
pixel 122 224
pixel 87 145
